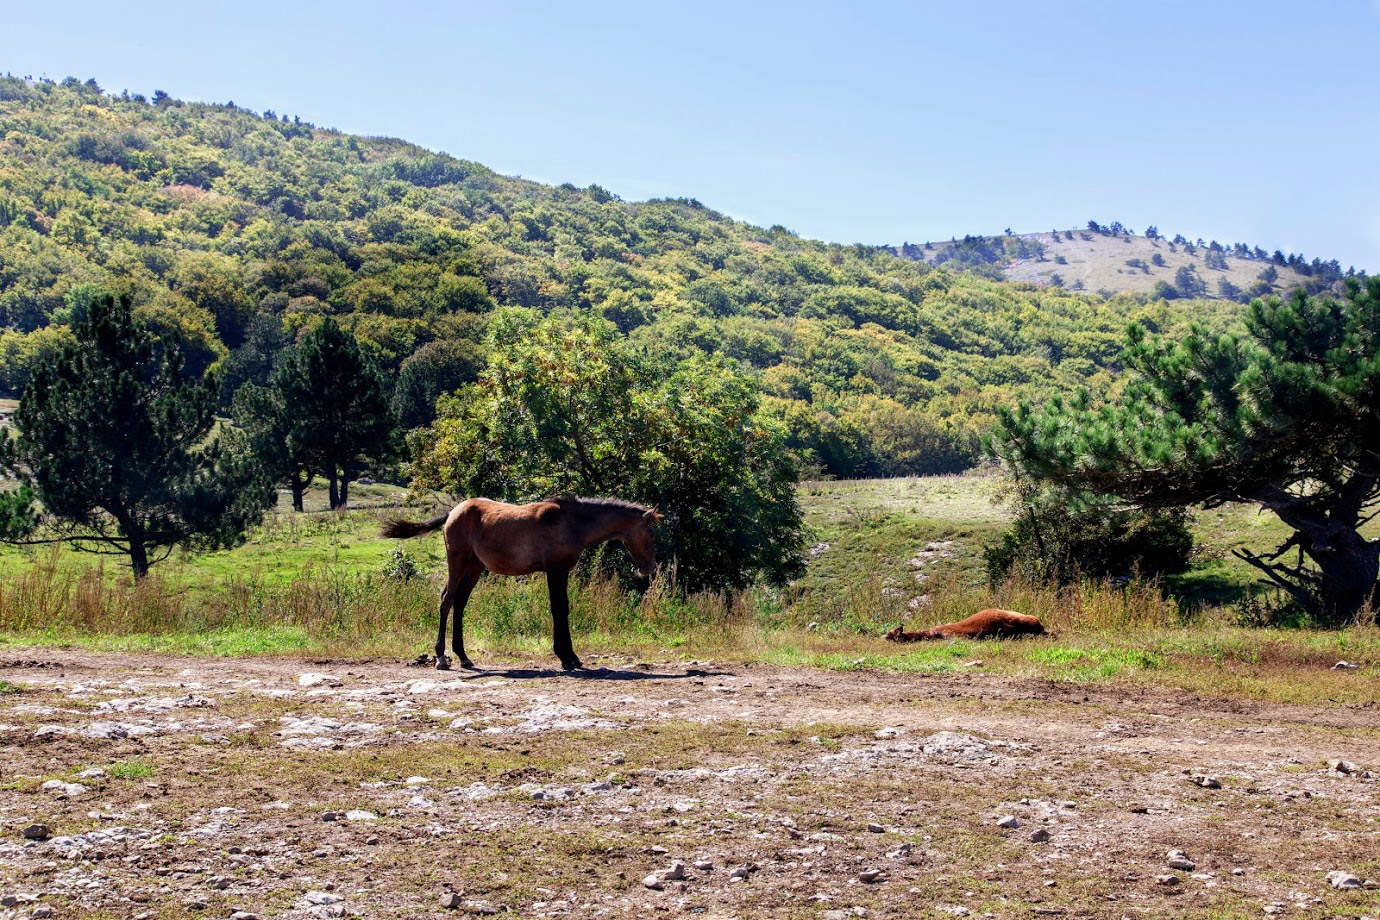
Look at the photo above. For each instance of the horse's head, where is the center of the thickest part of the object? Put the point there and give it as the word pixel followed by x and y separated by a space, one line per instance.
pixel 641 543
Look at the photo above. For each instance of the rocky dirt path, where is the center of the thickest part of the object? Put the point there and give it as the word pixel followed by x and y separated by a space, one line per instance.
pixel 153 786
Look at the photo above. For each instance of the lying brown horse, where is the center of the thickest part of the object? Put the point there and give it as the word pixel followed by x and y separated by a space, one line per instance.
pixel 985 624
pixel 546 536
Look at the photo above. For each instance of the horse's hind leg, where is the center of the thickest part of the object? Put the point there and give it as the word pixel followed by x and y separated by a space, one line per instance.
pixel 557 582
pixel 447 600
pixel 459 598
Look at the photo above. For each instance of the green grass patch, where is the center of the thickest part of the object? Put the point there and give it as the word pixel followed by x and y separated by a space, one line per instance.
pixel 130 769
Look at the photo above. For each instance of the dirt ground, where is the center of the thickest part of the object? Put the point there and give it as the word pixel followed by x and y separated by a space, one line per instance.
pixel 312 788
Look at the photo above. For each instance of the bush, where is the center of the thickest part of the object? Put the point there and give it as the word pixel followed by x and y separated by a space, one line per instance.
pixel 1059 538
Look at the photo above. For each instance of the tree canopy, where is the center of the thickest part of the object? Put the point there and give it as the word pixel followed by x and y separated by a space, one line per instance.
pixel 1286 417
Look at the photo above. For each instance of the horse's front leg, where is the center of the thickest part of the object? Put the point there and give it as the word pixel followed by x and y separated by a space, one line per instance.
pixel 558 581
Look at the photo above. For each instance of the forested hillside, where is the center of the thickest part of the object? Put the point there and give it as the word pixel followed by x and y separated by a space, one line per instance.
pixel 240 230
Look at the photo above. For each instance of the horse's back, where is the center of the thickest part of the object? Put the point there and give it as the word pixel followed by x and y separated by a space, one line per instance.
pixel 508 539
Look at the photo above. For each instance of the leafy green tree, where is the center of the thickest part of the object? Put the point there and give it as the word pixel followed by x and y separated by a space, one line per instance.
pixel 117 445
pixel 432 370
pixel 567 405
pixel 340 420
pixel 1286 418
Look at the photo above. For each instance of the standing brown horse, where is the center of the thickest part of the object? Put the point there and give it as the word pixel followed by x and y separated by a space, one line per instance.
pixel 546 536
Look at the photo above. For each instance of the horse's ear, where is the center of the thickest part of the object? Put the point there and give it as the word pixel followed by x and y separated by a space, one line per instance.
pixel 653 516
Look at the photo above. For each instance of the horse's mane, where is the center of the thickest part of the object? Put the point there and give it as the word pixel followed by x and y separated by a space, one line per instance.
pixel 579 502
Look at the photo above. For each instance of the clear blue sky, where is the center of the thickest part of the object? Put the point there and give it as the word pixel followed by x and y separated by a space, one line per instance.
pixel 876 122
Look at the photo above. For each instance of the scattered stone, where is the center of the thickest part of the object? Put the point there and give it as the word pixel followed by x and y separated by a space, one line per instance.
pixel 360 814
pixel 319 898
pixel 653 882
pixel 739 874
pixel 331 816
pixel 1341 880
pixel 372 840
pixel 1009 822
pixel 900 852
pixel 37 832
pixel 1178 859
pixel 43 911
pixel 658 851
pixel 1345 666
pixel 58 787
pixel 812 627
pixel 1207 782
pixel 871 875
pixel 1337 765
pixel 704 865
pixel 313 679
pixel 244 915
pixel 1167 880
pixel 1039 835
pixel 955 746
pixel 451 900
pixel 876 829
pixel 975 663
pixel 885 733
pixel 674 874
pixel 93 773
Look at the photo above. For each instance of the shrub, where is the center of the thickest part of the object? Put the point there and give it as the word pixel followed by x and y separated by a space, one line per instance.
pixel 1060 538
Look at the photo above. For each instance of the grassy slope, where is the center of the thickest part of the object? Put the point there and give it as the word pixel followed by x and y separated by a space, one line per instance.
pixel 1100 263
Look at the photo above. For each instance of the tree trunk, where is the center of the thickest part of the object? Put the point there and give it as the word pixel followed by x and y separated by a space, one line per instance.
pixel 344 489
pixel 1348 568
pixel 299 488
pixel 335 491
pixel 138 554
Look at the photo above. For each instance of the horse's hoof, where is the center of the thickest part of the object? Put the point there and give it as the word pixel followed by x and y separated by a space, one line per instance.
pixel 570 664
pixel 467 664
pixel 443 664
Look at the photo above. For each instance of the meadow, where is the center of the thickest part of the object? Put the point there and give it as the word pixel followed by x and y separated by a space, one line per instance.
pixel 883 552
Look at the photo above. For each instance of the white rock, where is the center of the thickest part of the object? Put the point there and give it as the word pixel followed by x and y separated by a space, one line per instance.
pixel 322 897
pixel 1178 859
pixel 315 679
pixel 653 882
pixel 58 787
pixel 1345 666
pixel 1339 879
pixel 1009 822
pixel 360 814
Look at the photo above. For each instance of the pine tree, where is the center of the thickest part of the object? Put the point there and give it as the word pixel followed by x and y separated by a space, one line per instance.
pixel 340 420
pixel 116 444
pixel 1286 418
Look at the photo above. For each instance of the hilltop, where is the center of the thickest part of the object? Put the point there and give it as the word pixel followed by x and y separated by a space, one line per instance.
pixel 1112 259
pixel 237 230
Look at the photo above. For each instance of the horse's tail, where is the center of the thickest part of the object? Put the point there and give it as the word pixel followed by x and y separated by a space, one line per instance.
pixel 398 529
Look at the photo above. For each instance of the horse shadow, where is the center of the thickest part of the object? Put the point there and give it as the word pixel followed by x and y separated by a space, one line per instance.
pixel 599 673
